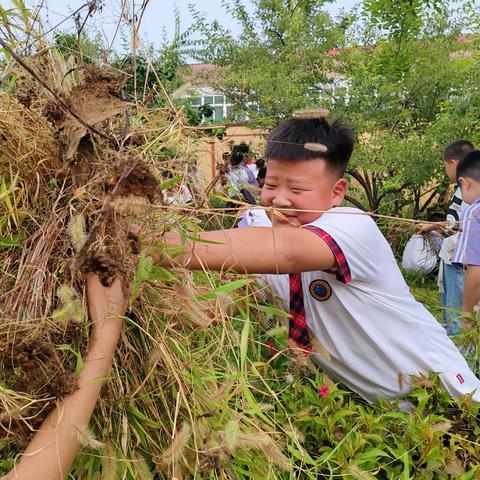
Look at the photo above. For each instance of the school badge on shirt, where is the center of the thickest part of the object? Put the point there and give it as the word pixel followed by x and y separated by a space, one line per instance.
pixel 320 290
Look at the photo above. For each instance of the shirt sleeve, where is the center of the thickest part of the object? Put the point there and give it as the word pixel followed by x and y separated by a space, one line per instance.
pixel 343 270
pixel 357 245
pixel 472 243
pixel 251 178
pixel 455 208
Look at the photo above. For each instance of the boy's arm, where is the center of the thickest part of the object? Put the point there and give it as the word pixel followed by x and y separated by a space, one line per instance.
pixel 55 445
pixel 471 293
pixel 252 250
pixel 431 227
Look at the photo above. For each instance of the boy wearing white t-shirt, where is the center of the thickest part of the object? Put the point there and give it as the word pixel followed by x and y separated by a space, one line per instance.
pixel 350 307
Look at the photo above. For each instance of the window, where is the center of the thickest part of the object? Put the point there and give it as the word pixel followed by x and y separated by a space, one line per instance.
pixel 218 113
pixel 220 104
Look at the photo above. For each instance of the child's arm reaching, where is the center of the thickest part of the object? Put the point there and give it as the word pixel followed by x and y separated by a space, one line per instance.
pixel 252 250
pixel 471 293
pixel 55 445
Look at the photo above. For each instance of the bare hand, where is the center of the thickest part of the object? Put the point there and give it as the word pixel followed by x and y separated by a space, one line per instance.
pixel 135 230
pixel 430 227
pixel 105 304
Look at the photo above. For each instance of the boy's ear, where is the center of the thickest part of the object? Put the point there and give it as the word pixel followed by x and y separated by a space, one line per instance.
pixel 463 182
pixel 338 191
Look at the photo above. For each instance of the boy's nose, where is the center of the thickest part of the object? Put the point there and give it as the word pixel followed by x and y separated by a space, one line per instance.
pixel 281 201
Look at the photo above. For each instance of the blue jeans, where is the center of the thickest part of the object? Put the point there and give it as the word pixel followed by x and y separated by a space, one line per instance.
pixel 452 298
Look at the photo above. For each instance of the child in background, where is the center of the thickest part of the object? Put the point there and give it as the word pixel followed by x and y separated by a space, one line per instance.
pixel 252 216
pixel 451 276
pixel 467 253
pixel 241 182
pixel 350 308
pixel 262 172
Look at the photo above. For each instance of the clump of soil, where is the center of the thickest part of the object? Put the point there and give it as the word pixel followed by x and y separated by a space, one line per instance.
pixel 132 178
pixel 32 363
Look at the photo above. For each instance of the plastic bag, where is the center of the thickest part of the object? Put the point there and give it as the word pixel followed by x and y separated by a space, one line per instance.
pixel 421 254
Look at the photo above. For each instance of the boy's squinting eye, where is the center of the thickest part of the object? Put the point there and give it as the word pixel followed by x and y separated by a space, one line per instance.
pixel 270 186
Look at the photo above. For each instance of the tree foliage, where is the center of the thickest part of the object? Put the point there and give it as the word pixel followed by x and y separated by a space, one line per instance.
pixel 405 72
pixel 407 98
pixel 276 63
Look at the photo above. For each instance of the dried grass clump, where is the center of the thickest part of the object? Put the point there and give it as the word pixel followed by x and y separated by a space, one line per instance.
pixel 61 180
pixel 79 165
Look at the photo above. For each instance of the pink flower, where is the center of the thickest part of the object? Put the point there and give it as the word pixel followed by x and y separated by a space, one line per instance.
pixel 331 75
pixel 334 52
pixel 464 39
pixel 461 54
pixel 323 390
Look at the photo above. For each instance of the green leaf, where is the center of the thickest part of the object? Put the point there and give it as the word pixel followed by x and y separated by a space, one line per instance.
pixel 8 243
pixel 244 342
pixel 144 268
pixel 170 183
pixel 64 347
pixel 146 420
pixel 226 288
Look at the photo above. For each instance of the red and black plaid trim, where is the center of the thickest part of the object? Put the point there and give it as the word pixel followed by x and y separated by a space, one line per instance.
pixel 298 330
pixel 343 272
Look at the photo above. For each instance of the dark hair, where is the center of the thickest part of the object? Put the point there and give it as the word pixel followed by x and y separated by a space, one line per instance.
pixel 436 217
pixel 287 141
pixel 260 162
pixel 457 150
pixel 469 167
pixel 262 172
pixel 239 154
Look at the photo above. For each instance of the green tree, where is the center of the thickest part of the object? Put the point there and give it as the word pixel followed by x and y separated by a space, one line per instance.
pixel 85 49
pixel 279 59
pixel 404 71
pixel 409 72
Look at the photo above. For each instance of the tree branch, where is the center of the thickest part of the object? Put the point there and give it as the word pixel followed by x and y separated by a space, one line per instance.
pixel 355 202
pixel 279 35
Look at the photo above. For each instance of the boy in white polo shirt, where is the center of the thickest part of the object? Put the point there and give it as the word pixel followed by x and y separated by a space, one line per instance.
pixel 333 269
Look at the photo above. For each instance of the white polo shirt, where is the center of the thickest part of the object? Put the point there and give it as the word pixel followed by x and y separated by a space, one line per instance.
pixel 375 332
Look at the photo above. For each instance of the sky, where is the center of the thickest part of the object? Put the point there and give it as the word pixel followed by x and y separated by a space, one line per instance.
pixel 158 21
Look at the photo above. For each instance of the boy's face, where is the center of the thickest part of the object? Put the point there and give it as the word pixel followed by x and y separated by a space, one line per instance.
pixel 470 189
pixel 300 185
pixel 451 169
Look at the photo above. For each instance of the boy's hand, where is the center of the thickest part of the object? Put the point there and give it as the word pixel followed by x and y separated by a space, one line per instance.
pixel 467 323
pixel 134 230
pixel 105 304
pixel 430 227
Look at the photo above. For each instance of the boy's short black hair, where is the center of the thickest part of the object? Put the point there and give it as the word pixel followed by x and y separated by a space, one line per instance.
pixel 457 150
pixel 469 167
pixel 287 141
pixel 436 217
